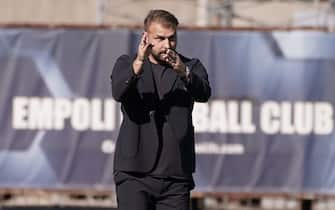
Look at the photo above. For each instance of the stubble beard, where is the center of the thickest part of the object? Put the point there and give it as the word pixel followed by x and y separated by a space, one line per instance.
pixel 158 57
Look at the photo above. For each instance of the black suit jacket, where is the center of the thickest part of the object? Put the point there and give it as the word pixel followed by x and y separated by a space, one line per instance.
pixel 137 143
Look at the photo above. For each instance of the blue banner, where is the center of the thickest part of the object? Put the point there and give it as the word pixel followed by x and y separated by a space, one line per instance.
pixel 269 126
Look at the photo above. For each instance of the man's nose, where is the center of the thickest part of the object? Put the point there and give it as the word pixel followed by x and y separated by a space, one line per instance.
pixel 167 43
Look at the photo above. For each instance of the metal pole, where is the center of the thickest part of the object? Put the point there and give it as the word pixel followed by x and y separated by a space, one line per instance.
pixel 316 3
pixel 202 13
pixel 228 13
pixel 99 5
pixel 331 16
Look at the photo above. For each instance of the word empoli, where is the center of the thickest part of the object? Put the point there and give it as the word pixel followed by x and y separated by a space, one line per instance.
pixel 217 116
pixel 55 113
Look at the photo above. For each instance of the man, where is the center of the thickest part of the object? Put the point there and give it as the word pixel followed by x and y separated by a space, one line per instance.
pixel 155 155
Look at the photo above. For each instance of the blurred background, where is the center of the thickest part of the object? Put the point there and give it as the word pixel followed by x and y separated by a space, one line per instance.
pixel 265 141
pixel 232 13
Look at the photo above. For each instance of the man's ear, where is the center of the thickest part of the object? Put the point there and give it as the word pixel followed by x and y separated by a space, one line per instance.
pixel 145 34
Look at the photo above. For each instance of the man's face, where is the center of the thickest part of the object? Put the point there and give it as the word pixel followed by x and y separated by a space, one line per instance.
pixel 161 38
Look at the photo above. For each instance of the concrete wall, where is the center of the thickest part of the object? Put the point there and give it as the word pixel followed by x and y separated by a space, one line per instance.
pixel 132 12
pixel 48 11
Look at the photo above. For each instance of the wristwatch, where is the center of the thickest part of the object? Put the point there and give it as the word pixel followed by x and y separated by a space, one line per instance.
pixel 187 74
pixel 188 71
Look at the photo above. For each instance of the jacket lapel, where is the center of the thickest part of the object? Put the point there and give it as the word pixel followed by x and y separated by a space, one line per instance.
pixel 147 81
pixel 146 86
pixel 171 76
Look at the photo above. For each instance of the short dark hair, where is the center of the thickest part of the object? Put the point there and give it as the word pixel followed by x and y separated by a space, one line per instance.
pixel 161 16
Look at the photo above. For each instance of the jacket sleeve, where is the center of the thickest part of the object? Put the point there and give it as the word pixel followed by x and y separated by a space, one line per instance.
pixel 198 84
pixel 123 78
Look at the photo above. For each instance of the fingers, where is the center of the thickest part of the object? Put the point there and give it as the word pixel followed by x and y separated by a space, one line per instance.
pixel 171 57
pixel 171 52
pixel 144 47
pixel 143 39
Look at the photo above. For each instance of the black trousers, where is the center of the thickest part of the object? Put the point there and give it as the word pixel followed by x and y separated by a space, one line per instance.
pixel 152 193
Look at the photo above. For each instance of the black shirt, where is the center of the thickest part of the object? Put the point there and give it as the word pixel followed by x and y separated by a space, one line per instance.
pixel 168 164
